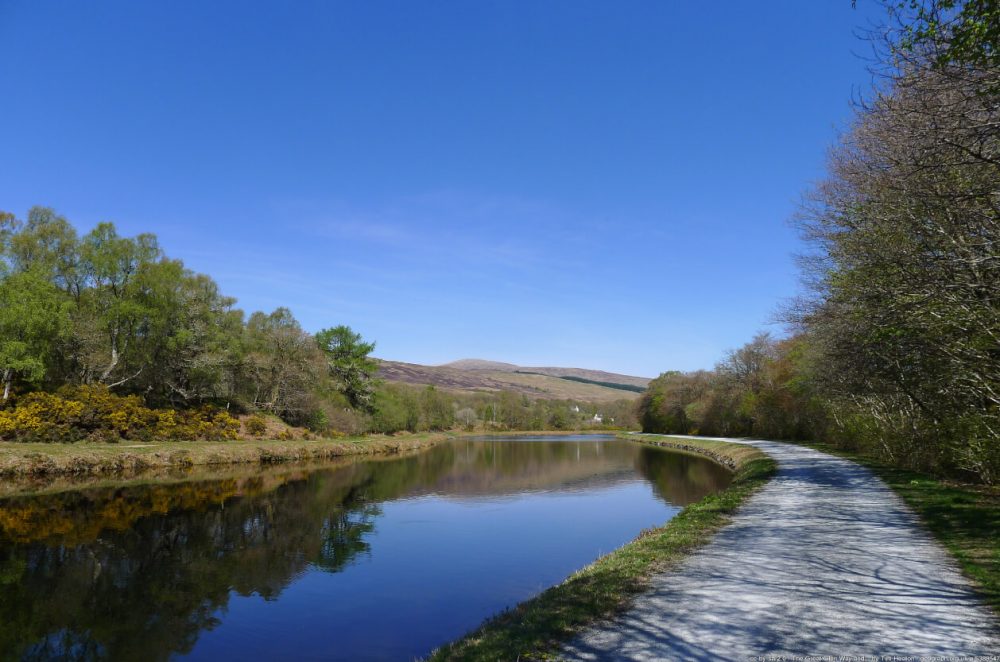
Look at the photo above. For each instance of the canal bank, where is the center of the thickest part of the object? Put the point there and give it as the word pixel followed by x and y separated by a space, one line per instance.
pixel 38 460
pixel 129 459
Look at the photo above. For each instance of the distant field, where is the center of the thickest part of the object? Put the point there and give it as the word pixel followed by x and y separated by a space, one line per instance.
pixel 549 383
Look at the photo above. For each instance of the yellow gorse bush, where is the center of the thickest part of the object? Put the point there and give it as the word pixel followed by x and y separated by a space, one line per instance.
pixel 76 413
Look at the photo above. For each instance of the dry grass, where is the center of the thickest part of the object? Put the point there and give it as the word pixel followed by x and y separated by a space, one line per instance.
pixel 96 459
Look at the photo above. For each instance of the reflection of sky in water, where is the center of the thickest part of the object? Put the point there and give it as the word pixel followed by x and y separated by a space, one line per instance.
pixel 370 559
pixel 435 562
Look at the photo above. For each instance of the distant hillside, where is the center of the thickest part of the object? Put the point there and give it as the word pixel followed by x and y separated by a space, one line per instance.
pixel 614 385
pixel 590 375
pixel 544 382
pixel 480 364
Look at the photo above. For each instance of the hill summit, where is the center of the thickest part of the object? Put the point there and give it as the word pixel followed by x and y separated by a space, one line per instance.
pixel 539 382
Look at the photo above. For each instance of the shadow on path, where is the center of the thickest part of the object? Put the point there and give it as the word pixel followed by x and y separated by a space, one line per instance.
pixel 825 560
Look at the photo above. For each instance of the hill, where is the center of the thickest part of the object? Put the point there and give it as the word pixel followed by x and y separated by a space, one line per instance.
pixel 537 382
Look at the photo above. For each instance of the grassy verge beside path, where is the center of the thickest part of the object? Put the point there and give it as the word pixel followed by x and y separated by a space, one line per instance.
pixel 97 459
pixel 964 518
pixel 534 628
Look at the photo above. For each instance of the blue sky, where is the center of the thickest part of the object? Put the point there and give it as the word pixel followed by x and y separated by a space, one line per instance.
pixel 592 184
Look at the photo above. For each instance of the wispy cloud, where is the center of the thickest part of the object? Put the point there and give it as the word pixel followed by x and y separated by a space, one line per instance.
pixel 365 230
pixel 450 229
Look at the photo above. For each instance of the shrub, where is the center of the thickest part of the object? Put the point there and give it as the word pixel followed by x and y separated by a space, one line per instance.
pixel 95 413
pixel 256 426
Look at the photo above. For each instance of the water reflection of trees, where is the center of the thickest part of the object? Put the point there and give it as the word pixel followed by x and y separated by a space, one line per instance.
pixel 138 572
pixel 680 478
pixel 146 590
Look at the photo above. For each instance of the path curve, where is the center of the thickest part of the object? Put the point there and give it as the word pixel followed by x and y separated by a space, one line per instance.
pixel 824 560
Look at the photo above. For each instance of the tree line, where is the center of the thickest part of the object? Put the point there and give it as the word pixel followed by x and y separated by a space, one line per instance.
pixel 107 310
pixel 895 347
pixel 101 335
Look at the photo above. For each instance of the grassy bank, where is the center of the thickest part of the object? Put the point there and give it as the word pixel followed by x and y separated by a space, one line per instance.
pixel 81 459
pixel 964 518
pixel 535 627
pixel 100 459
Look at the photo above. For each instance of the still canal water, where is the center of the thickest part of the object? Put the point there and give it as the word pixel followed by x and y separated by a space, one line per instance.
pixel 364 559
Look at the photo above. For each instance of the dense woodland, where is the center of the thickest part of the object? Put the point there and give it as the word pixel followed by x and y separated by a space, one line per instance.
pixel 895 348
pixel 103 337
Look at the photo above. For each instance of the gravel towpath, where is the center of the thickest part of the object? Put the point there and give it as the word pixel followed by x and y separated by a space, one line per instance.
pixel 824 560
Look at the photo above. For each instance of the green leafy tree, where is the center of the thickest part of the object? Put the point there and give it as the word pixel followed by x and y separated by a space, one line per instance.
pixel 8 227
pixel 33 316
pixel 395 408
pixel 47 244
pixel 948 32
pixel 191 345
pixel 436 409
pixel 281 367
pixel 115 301
pixel 349 364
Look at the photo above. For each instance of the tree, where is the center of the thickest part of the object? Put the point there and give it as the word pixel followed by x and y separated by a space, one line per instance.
pixel 282 366
pixel 192 337
pixel 33 315
pixel 348 361
pixel 9 225
pixel 466 416
pixel 437 412
pixel 904 236
pixel 947 32
pixel 662 407
pixel 394 408
pixel 113 267
pixel 49 245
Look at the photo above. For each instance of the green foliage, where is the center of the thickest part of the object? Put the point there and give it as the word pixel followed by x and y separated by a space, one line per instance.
pixel 114 310
pixel 404 408
pixel 761 389
pixel 896 352
pixel 950 32
pixel 436 410
pixel 396 409
pixel 282 367
pixel 903 317
pixel 349 363
pixel 33 318
pixel 558 419
pixel 106 309
pixel 133 319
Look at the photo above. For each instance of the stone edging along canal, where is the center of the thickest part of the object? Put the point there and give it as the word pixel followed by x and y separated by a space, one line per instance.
pixel 604 588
